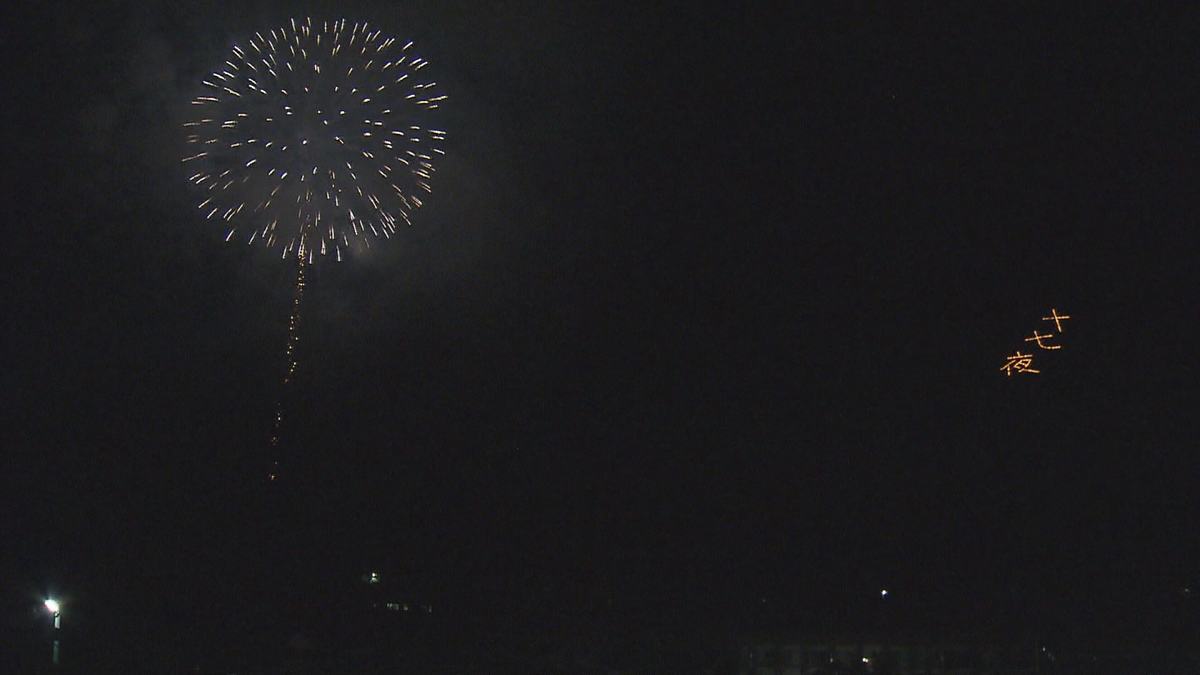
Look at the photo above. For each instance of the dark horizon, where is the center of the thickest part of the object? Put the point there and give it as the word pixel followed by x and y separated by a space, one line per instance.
pixel 699 335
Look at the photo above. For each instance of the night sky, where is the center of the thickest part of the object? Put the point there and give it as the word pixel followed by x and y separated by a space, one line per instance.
pixel 699 335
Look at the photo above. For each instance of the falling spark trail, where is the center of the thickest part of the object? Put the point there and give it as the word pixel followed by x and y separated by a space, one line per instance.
pixel 290 368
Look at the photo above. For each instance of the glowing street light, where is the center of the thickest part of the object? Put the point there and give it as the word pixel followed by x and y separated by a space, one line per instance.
pixel 55 609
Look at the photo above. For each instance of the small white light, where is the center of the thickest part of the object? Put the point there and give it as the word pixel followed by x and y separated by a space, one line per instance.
pixel 52 605
pixel 883 593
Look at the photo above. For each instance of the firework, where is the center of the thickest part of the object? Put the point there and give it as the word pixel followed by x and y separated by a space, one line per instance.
pixel 315 138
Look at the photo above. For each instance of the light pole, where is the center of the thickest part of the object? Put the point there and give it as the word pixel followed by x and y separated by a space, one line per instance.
pixel 55 609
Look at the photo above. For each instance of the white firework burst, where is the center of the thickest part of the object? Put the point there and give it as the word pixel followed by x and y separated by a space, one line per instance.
pixel 315 138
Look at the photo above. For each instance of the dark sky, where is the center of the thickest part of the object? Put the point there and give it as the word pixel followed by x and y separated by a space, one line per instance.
pixel 704 319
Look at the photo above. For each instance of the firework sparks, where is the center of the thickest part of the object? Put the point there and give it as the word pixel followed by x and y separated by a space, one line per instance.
pixel 315 138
